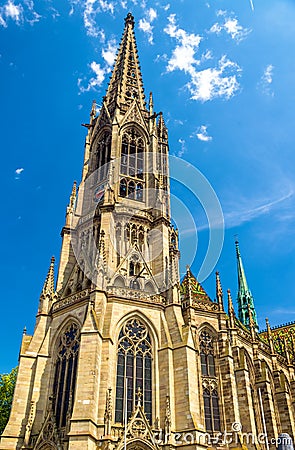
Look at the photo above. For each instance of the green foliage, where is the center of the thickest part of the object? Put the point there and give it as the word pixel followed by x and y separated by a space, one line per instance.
pixel 7 385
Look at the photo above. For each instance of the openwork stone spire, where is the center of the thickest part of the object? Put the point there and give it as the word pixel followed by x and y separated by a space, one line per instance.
pixel 126 81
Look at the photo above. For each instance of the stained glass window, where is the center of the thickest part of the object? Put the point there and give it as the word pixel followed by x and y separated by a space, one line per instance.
pixel 65 374
pixel 134 369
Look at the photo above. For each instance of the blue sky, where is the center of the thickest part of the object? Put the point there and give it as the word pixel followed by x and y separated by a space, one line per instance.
pixel 222 72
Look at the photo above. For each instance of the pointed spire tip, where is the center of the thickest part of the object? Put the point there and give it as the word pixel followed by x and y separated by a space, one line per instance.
pixel 129 20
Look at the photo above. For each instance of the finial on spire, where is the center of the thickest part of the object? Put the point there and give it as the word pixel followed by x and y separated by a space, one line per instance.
pixel 129 20
pixel 219 292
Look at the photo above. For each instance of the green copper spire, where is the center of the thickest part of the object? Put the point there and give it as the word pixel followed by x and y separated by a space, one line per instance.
pixel 245 297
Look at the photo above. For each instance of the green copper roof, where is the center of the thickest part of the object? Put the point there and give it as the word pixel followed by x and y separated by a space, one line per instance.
pixel 244 297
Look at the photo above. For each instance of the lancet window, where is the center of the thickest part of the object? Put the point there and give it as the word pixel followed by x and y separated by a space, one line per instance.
pixel 65 374
pixel 209 382
pixel 134 370
pixel 103 155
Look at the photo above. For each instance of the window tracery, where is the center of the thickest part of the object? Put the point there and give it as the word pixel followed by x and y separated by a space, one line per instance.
pixel 65 374
pixel 103 156
pixel 134 365
pixel 209 382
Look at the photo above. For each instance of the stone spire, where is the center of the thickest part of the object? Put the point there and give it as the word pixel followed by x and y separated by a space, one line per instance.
pixel 245 297
pixel 126 80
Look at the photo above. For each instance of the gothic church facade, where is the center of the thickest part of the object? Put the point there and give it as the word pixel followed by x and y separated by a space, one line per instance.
pixel 123 355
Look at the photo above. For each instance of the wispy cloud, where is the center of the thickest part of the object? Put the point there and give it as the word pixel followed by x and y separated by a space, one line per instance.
pixel 90 9
pixel 108 53
pixel 183 56
pixel 11 11
pixel 216 82
pixel 266 80
pixel 95 81
pixel 202 134
pixel 245 210
pixel 18 13
pixel 207 84
pixel 145 24
pixel 230 25
pixel 182 150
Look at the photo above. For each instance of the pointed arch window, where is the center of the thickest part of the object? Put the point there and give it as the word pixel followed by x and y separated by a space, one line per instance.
pixel 103 155
pixel 211 409
pixel 65 374
pixel 210 387
pixel 134 365
pixel 132 163
pixel 207 354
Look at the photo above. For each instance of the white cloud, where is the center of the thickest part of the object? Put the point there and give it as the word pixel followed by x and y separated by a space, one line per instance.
pixel 220 81
pixel 109 53
pixel 145 24
pixel 14 12
pixel 266 80
pixel 204 85
pixel 183 56
pixel 202 134
pixel 95 81
pixel 231 26
pixel 18 173
pixel 18 13
pixel 91 9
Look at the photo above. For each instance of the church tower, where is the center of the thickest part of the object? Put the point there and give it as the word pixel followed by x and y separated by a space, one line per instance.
pixel 123 354
pixel 94 358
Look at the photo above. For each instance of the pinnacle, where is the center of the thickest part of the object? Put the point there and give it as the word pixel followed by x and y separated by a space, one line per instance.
pixel 48 287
